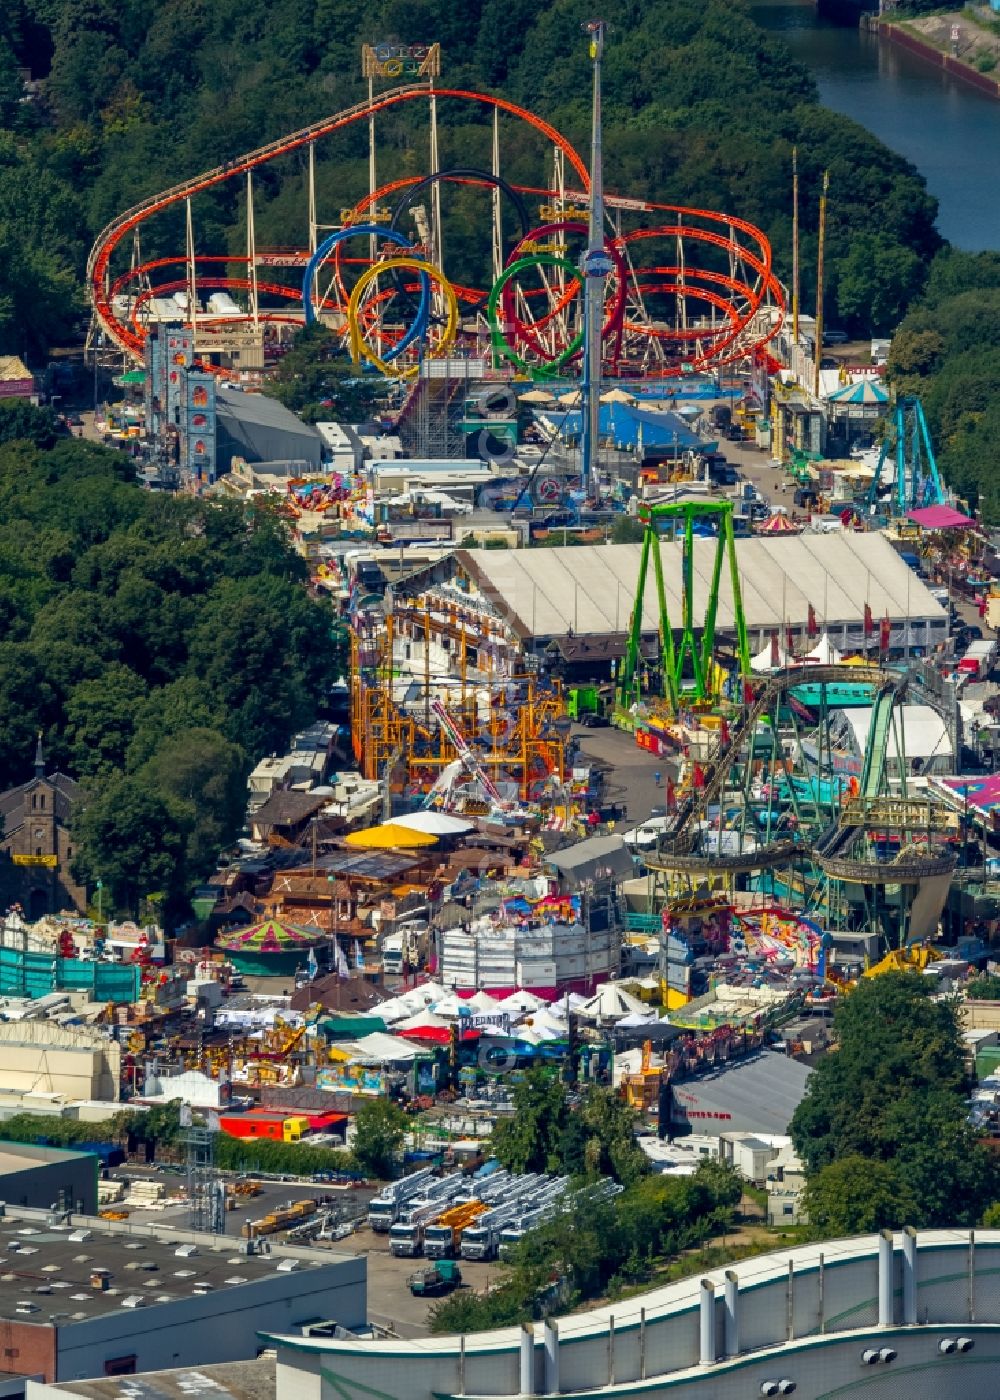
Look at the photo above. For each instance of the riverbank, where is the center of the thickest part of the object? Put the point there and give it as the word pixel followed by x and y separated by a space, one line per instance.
pixel 928 36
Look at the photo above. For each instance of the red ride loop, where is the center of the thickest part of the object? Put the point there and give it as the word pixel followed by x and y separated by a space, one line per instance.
pixel 749 288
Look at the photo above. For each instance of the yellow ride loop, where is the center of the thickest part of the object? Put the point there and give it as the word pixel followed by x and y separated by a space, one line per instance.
pixel 361 351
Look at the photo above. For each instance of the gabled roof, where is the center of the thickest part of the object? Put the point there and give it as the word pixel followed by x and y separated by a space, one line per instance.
pixel 67 792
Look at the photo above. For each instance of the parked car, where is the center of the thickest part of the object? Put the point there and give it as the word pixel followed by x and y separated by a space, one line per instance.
pixel 835 337
pixel 593 719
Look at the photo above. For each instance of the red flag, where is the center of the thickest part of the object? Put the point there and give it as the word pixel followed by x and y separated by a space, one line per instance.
pixel 869 621
pixel 775 650
pixel 811 627
pixel 747 693
pixel 790 639
pixel 724 734
pixel 671 794
pixel 699 776
pixel 885 633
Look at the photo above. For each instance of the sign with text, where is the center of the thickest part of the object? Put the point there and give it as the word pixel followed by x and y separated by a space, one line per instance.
pixel 401 60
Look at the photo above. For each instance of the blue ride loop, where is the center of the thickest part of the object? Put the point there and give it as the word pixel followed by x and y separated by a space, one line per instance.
pixel 417 329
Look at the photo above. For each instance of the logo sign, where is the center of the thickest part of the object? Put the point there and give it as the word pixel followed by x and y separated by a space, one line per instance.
pixel 496 1020
pixel 401 60
pixel 597 263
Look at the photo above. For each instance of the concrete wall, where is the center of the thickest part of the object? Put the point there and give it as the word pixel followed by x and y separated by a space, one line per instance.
pixel 806 1297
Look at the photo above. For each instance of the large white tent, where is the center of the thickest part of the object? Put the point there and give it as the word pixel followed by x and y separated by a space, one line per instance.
pixel 589 589
pixel 611 1003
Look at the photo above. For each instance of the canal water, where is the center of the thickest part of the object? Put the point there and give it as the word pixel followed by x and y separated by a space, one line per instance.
pixel 948 129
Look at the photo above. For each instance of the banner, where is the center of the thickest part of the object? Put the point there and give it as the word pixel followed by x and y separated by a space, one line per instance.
pixel 50 861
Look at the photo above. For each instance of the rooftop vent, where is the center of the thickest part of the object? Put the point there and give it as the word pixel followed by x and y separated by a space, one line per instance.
pixel 25 1305
pixel 80 1236
pixel 184 1273
pixel 80 1298
pixel 288 1266
pixel 134 1300
pixel 234 1279
pixel 202 1286
pixel 186 1251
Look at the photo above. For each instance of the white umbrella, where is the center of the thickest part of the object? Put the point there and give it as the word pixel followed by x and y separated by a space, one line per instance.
pixel 611 1003
pixel 522 1000
pixel 393 1010
pixel 536 396
pixel 483 1004
pixel 574 397
pixel 637 1019
pixel 450 1006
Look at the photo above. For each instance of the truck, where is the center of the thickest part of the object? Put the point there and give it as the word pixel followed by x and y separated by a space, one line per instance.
pixel 384 1209
pixel 443 1277
pixel 444 1237
pixel 284 1217
pixel 406 1236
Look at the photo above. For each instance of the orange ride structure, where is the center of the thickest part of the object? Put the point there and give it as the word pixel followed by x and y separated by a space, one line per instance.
pixel 691 289
pixel 511 722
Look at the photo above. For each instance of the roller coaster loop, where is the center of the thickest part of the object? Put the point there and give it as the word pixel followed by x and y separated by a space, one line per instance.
pixel 361 351
pixel 418 327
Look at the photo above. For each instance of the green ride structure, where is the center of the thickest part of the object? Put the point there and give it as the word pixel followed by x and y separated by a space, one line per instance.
pixel 688 669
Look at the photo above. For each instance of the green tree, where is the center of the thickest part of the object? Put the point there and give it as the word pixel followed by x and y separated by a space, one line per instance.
pixel 530 1139
pixel 100 715
pixel 598 1139
pixel 894 1039
pixel 380 1128
pixel 132 839
pixel 984 987
pixel 19 419
pixel 314 379
pixel 855 1196
pixel 203 777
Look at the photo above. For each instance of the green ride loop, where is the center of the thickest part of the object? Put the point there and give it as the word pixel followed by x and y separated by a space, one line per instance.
pixel 501 345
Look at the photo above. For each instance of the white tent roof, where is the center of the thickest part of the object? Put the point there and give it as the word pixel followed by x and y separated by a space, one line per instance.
pixel 610 1003
pixel 379 1048
pixel 484 1004
pixel 925 734
pixel 450 1006
pixel 824 652
pixel 522 1000
pixel 638 1019
pixel 425 995
pixel 394 1009
pixel 763 661
pixel 590 588
pixel 434 823
pixel 420 1019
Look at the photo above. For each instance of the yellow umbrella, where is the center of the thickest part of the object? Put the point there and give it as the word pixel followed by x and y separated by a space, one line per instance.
pixel 389 837
pixel 573 397
pixel 536 396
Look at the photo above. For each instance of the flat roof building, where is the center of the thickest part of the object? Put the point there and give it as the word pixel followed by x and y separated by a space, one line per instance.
pixel 43 1177
pixel 83 1297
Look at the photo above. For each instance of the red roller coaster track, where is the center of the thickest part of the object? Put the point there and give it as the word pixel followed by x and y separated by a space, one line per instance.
pixel 736 337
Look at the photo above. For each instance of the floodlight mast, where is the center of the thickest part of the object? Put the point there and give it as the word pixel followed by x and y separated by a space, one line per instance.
pixel 596 266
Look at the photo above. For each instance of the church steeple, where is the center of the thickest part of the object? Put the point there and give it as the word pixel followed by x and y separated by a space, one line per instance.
pixel 39 758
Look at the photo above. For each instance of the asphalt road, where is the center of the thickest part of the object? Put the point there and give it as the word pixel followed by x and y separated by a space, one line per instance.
pixel 632 775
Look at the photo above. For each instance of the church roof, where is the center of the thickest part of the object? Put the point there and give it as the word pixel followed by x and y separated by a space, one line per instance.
pixel 67 792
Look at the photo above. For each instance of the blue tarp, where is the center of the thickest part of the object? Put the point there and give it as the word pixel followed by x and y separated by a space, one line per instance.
pixel 622 421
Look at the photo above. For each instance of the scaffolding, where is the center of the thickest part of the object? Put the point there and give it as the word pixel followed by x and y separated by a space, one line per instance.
pixel 206 1189
pixel 407 663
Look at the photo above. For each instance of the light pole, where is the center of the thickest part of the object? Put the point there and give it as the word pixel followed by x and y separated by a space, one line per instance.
pixel 596 267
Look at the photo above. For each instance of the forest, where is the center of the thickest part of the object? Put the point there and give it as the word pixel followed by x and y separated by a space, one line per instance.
pixel 947 351
pixel 701 107
pixel 160 646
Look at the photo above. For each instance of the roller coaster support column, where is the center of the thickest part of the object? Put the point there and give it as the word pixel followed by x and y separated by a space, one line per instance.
pixel 597 266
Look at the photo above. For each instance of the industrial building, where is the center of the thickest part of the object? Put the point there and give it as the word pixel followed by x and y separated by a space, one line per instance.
pixel 882 1316
pixel 40 1057
pixel 44 1177
pixel 586 591
pixel 234 1380
pixel 756 1095
pixel 259 429
pixel 83 1297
